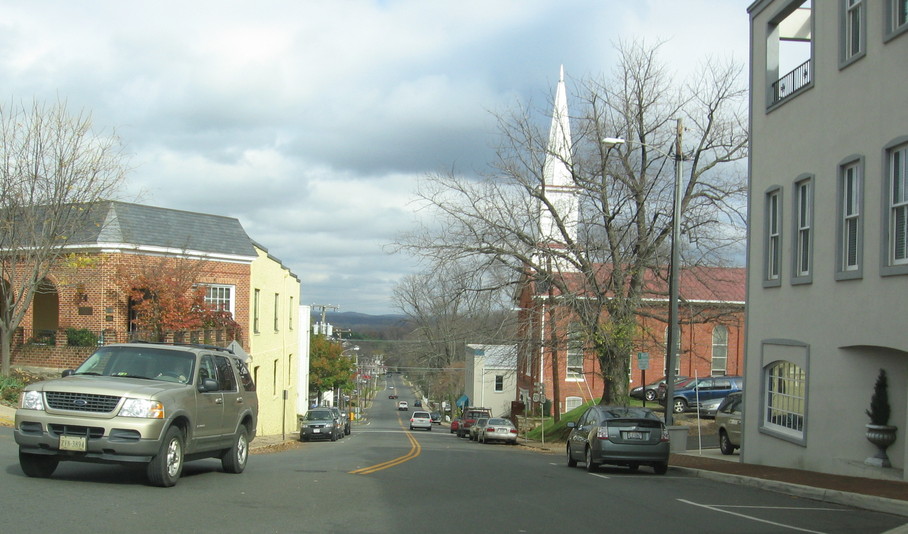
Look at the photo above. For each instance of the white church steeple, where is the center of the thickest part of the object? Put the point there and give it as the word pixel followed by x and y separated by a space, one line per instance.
pixel 558 181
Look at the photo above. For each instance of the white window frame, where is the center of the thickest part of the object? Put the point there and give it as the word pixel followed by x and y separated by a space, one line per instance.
pixel 256 301
pixel 853 32
pixel 574 358
pixel 572 403
pixel 850 220
pixel 898 205
pixel 802 254
pixel 785 399
pixel 719 365
pixel 896 18
pixel 221 297
pixel 773 242
pixel 499 383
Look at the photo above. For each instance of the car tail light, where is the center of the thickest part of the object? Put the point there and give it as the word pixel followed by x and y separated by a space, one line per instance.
pixel 411 419
pixel 490 429
pixel 664 437
pixel 513 431
pixel 602 432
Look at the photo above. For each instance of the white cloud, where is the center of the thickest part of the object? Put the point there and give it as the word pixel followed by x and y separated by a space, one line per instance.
pixel 312 121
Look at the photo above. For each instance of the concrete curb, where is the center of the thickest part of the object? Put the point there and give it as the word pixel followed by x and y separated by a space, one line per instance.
pixel 857 500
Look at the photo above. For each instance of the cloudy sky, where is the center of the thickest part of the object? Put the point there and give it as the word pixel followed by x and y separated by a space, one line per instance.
pixel 311 121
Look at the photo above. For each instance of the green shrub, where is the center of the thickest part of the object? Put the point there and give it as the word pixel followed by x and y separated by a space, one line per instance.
pixel 81 337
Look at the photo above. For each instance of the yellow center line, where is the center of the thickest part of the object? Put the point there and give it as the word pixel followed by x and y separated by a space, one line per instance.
pixel 415 449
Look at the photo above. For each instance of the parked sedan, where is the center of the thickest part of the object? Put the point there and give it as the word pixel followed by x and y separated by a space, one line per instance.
pixel 619 435
pixel 728 420
pixel 421 420
pixel 436 418
pixel 498 429
pixel 650 391
pixel 474 428
pixel 455 424
pixel 320 423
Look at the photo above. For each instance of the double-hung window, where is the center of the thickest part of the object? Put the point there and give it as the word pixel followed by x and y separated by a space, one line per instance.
pixel 784 399
pixel 896 18
pixel 773 243
pixel 220 297
pixel 720 350
pixel 897 210
pixel 499 383
pixel 850 224
pixel 854 29
pixel 802 256
pixel 575 352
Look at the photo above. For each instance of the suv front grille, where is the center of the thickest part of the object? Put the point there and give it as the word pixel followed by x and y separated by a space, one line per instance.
pixel 81 402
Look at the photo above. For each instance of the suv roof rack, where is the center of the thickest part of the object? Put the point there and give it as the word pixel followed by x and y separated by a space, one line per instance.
pixel 193 345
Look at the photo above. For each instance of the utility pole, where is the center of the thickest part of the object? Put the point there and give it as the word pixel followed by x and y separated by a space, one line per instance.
pixel 674 329
pixel 324 309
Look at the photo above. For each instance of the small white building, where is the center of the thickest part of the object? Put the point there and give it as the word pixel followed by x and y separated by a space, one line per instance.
pixel 491 377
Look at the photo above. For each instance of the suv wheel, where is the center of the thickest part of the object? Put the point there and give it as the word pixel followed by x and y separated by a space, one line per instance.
pixel 234 460
pixel 38 465
pixel 165 468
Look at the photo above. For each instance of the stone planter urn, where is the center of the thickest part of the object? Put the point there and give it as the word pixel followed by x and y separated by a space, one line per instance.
pixel 882 436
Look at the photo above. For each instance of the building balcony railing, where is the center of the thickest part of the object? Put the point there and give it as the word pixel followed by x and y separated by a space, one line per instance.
pixel 792 82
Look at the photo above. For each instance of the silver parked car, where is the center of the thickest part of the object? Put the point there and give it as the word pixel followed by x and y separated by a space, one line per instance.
pixel 474 429
pixel 421 419
pixel 728 421
pixel 321 423
pixel 498 429
pixel 619 435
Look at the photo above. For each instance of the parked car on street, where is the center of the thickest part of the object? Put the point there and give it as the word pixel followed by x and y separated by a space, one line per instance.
pixel 421 419
pixel 403 406
pixel 343 418
pixel 650 391
pixel 436 418
pixel 619 435
pixel 728 421
pixel 498 429
pixel 470 415
pixel 141 403
pixel 455 424
pixel 321 423
pixel 474 428
pixel 696 392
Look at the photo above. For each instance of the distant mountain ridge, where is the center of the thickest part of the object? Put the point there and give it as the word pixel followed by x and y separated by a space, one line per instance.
pixel 362 322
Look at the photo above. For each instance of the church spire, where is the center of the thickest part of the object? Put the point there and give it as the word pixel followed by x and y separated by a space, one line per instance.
pixel 558 180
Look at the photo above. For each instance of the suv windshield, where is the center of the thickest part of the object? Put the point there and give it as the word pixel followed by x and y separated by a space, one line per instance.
pixel 140 362
pixel 319 415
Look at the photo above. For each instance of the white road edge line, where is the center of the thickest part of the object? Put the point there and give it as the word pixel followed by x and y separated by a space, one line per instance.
pixel 782 525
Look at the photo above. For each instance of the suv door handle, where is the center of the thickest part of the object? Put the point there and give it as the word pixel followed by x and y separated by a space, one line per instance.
pixel 219 400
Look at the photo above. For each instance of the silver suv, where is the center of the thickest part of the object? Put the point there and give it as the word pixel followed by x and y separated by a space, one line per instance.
pixel 155 404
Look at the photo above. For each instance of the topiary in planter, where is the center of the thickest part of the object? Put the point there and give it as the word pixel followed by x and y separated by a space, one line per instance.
pixel 879 403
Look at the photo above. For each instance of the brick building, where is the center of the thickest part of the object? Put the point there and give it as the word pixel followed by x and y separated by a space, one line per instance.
pixel 711 316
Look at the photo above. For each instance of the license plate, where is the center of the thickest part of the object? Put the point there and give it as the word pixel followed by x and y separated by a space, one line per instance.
pixel 316 430
pixel 633 435
pixel 73 443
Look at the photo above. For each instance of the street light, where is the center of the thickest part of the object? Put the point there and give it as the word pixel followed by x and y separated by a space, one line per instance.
pixel 674 331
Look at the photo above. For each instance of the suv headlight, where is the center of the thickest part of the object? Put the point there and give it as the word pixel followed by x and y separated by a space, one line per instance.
pixel 31 400
pixel 147 409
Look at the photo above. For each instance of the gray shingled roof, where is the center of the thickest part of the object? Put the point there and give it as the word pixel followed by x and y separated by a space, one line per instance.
pixel 122 223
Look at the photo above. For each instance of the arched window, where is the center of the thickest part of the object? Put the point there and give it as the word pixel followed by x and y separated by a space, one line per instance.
pixel 786 388
pixel 720 351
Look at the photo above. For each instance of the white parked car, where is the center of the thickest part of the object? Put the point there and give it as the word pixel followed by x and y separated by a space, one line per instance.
pixel 421 420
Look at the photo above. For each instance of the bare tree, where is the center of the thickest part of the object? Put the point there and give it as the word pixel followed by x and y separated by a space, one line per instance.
pixel 600 264
pixel 53 169
pixel 450 305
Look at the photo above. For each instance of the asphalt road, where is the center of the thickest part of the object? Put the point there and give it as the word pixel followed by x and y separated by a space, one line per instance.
pixel 384 479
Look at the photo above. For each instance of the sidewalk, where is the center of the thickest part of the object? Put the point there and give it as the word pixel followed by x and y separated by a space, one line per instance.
pixel 887 496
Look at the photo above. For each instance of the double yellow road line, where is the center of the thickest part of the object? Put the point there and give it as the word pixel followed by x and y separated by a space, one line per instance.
pixel 415 449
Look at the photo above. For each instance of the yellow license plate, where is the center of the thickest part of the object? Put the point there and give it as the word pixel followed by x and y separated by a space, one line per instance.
pixel 73 443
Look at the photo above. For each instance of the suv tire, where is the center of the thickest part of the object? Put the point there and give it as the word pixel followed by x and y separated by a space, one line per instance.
pixel 725 444
pixel 679 406
pixel 234 460
pixel 38 465
pixel 165 468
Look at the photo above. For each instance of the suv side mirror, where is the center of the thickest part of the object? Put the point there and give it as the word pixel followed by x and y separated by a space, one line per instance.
pixel 571 424
pixel 208 384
